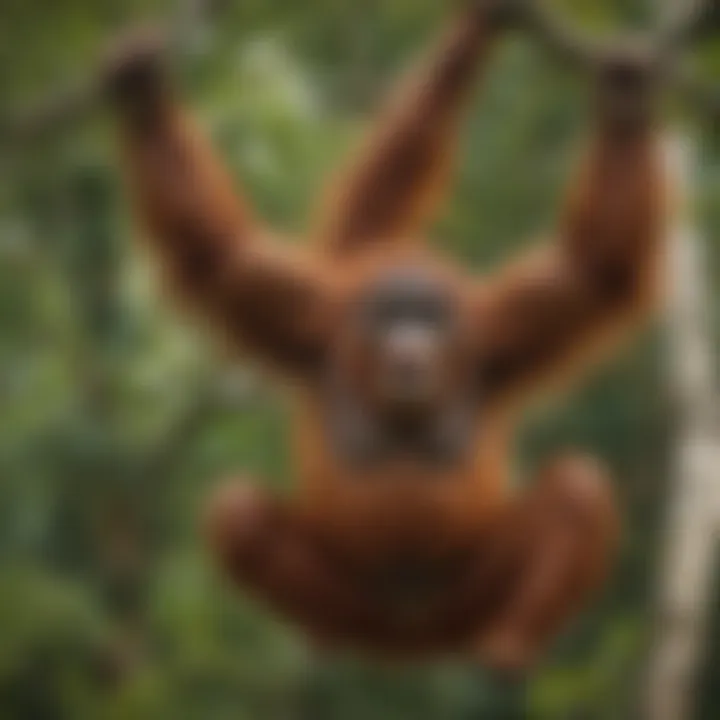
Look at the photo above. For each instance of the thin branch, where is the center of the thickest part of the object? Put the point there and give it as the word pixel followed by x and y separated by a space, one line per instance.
pixel 680 25
pixel 683 25
pixel 80 97
pixel 690 23
pixel 563 41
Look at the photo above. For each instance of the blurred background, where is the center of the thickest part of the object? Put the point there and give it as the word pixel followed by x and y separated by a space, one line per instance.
pixel 117 417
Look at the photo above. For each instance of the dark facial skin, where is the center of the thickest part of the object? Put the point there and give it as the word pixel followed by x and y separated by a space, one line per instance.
pixel 408 321
pixel 396 391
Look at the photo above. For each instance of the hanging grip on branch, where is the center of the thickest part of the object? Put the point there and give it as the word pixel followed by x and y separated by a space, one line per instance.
pixel 662 49
pixel 134 75
pixel 628 79
pixel 680 29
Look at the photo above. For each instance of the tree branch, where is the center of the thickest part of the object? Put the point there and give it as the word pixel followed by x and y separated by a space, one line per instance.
pixel 559 38
pixel 682 26
pixel 67 106
pixel 690 23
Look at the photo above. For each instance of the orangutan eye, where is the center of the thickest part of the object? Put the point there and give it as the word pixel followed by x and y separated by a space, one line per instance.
pixel 388 313
pixel 431 312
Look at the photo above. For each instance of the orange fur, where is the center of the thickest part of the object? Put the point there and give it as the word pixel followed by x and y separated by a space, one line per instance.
pixel 405 559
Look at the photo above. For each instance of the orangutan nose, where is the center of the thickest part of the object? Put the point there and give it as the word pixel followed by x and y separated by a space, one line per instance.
pixel 411 362
pixel 411 348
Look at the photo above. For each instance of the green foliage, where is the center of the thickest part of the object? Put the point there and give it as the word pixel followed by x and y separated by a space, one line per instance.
pixel 116 416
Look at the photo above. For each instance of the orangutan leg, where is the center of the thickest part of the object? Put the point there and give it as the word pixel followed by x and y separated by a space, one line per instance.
pixel 262 547
pixel 567 530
